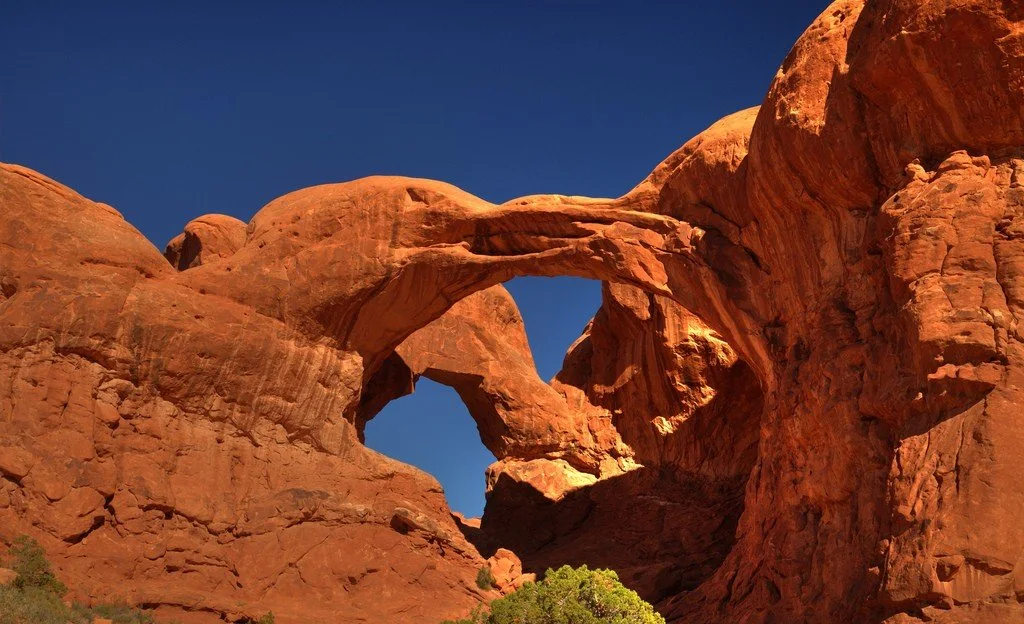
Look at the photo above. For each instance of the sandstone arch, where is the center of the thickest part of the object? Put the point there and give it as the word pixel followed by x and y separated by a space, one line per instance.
pixel 552 441
pixel 225 349
pixel 422 246
pixel 857 240
pixel 651 410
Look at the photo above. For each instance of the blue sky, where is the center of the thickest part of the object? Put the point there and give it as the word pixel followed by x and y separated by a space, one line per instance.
pixel 172 111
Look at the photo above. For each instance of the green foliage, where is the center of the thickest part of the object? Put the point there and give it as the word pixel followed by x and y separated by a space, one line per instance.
pixel 119 613
pixel 569 596
pixel 31 605
pixel 266 619
pixel 478 616
pixel 35 595
pixel 28 560
pixel 484 578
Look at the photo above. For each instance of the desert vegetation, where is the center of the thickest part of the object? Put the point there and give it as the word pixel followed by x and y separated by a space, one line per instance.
pixel 36 595
pixel 568 596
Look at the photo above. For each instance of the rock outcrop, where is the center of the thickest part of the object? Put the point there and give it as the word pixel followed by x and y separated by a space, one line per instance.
pixel 800 400
pixel 507 571
pixel 205 238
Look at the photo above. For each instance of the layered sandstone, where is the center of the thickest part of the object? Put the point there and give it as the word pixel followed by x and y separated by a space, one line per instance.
pixel 799 401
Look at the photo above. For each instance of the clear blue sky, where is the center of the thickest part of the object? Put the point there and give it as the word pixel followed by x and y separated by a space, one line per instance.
pixel 169 112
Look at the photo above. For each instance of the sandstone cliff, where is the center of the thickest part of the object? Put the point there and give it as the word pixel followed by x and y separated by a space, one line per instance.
pixel 800 401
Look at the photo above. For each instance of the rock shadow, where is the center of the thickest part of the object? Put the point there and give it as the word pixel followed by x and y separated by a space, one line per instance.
pixel 664 532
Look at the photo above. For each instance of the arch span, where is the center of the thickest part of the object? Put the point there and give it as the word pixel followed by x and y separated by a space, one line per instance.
pixel 857 240
pixel 652 410
pixel 365 264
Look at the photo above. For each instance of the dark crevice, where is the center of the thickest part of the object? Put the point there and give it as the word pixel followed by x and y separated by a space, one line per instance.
pixel 662 530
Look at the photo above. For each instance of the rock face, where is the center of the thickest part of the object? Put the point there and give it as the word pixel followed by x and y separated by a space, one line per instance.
pixel 205 238
pixel 800 400
pixel 507 571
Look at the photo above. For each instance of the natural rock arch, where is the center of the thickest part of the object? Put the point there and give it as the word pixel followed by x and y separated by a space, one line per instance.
pixel 651 410
pixel 857 241
pixel 169 360
pixel 423 246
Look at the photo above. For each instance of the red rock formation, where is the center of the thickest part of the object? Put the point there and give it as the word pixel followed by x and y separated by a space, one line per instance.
pixel 125 447
pixel 507 571
pixel 479 348
pixel 205 239
pixel 188 439
pixel 849 399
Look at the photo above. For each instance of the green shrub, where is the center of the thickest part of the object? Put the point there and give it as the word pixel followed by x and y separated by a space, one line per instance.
pixel 485 579
pixel 31 605
pixel 266 619
pixel 35 595
pixel 569 596
pixel 476 617
pixel 119 613
pixel 28 560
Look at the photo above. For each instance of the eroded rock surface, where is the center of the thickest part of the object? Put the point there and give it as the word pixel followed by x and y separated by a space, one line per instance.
pixel 800 400
pixel 205 239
